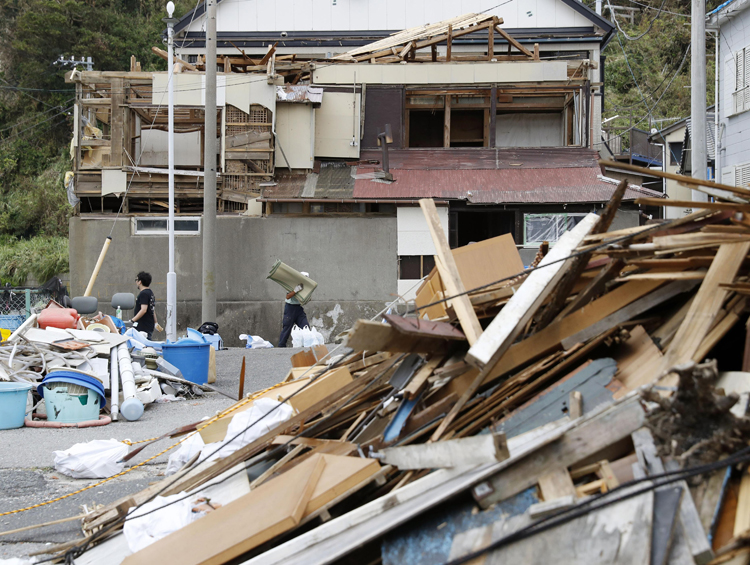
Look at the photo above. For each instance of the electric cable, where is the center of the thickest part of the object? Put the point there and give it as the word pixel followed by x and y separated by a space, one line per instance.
pixel 650 25
pixel 37 115
pixel 15 135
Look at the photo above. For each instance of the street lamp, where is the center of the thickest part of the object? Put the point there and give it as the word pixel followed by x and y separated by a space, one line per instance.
pixel 171 276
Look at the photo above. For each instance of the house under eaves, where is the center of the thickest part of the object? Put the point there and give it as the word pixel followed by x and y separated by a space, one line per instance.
pixel 497 126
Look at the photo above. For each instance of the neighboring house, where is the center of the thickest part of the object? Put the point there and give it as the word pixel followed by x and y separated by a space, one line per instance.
pixel 732 19
pixel 496 126
pixel 675 142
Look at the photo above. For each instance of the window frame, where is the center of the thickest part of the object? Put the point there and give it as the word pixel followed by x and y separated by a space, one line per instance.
pixel 527 216
pixel 136 231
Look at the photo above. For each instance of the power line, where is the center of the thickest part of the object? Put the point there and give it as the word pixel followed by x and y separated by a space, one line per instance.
pixel 650 25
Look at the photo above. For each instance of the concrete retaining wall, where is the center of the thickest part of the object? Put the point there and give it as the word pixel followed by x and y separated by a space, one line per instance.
pixel 353 260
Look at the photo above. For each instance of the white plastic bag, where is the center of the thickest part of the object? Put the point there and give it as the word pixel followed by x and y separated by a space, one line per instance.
pixel 308 338
pixel 317 337
pixel 297 336
pixel 96 459
pixel 188 448
pixel 264 415
pixel 141 531
pixel 256 342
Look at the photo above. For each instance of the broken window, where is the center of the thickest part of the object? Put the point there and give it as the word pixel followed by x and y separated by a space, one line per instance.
pixel 547 227
pixel 426 128
pixel 415 267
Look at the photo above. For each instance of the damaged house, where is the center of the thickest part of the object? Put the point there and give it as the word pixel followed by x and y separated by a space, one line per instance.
pixel 331 125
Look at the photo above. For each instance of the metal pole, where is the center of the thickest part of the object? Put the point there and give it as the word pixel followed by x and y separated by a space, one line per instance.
pixel 698 160
pixel 171 276
pixel 208 305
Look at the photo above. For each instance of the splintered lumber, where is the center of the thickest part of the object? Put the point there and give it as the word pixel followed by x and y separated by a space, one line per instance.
pixel 375 336
pixel 549 338
pixel 512 319
pixel 629 312
pixel 466 452
pixel 449 274
pixel 231 530
pixel 638 360
pixel 706 305
pixel 418 381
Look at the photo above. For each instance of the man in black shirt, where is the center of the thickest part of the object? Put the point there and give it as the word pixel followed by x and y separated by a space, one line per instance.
pixel 144 319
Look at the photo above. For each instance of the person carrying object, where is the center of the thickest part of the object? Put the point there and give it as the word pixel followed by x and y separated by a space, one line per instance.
pixel 144 319
pixel 294 314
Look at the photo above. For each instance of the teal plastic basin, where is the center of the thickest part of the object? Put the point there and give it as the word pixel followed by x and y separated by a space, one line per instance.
pixel 71 403
pixel 13 404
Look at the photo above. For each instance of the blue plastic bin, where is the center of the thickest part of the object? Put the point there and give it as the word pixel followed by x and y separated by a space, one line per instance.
pixel 11 322
pixel 190 357
pixel 13 404
pixel 71 397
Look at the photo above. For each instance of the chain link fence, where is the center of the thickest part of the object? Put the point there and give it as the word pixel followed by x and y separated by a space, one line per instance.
pixel 18 303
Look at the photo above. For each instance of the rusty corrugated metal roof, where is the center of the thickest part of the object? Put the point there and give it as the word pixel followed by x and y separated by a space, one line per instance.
pixel 528 186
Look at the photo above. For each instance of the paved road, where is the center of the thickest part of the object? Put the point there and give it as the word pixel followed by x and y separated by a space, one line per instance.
pixel 27 475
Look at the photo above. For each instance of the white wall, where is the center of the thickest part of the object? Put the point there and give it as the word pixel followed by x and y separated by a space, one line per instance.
pixel 295 130
pixel 325 15
pixel 414 239
pixel 735 34
pixel 529 130
pixel 187 149
pixel 334 121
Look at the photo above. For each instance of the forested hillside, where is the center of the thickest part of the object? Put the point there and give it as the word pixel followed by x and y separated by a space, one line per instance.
pixel 648 76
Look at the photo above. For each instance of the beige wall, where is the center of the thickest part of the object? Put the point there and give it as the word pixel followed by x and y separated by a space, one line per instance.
pixel 295 130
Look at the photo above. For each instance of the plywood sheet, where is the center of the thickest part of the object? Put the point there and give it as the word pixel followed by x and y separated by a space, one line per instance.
pixel 236 528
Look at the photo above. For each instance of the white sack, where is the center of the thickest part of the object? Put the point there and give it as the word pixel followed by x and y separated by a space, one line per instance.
pixel 263 416
pixel 256 342
pixel 188 448
pixel 318 338
pixel 96 459
pixel 297 336
pixel 141 531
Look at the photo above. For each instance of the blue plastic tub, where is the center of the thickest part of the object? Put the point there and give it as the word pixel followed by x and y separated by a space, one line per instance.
pixel 12 323
pixel 13 404
pixel 72 397
pixel 190 357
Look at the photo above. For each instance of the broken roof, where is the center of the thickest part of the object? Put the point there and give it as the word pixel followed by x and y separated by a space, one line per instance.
pixel 481 176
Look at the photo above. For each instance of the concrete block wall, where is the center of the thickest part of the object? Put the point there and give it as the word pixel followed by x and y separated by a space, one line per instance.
pixel 353 260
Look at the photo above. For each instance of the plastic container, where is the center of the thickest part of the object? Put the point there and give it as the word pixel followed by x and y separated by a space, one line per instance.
pixel 190 357
pixel 11 322
pixel 13 404
pixel 63 318
pixel 71 397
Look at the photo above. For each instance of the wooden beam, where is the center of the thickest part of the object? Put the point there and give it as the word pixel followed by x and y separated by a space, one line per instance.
pixel 116 122
pixel 490 42
pixel 699 184
pixel 708 301
pixel 269 54
pixel 493 115
pixel 693 204
pixel 512 319
pixel 449 43
pixel 164 55
pixel 449 274
pixel 513 42
pixel 447 122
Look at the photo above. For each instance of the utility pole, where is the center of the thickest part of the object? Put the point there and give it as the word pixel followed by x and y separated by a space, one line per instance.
pixel 171 276
pixel 698 158
pixel 208 305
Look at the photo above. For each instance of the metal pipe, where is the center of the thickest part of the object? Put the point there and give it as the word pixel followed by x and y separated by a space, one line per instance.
pixel 114 383
pixel 131 408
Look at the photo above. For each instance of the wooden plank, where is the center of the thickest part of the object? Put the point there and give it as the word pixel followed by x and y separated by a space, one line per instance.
pixel 513 42
pixel 164 55
pixel 304 358
pixel 281 502
pixel 666 507
pixel 449 274
pixel 592 434
pixel 698 184
pixel 556 484
pixel 637 360
pixel 447 122
pixel 732 206
pixel 575 405
pixel 596 286
pixel 707 303
pixel 466 452
pixel 512 319
pixel 633 309
pixel 375 336
pixel 665 276
pixel 419 380
pixel 116 122
pixel 742 518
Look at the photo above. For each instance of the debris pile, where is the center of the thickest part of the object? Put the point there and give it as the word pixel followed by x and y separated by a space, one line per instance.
pixel 562 409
